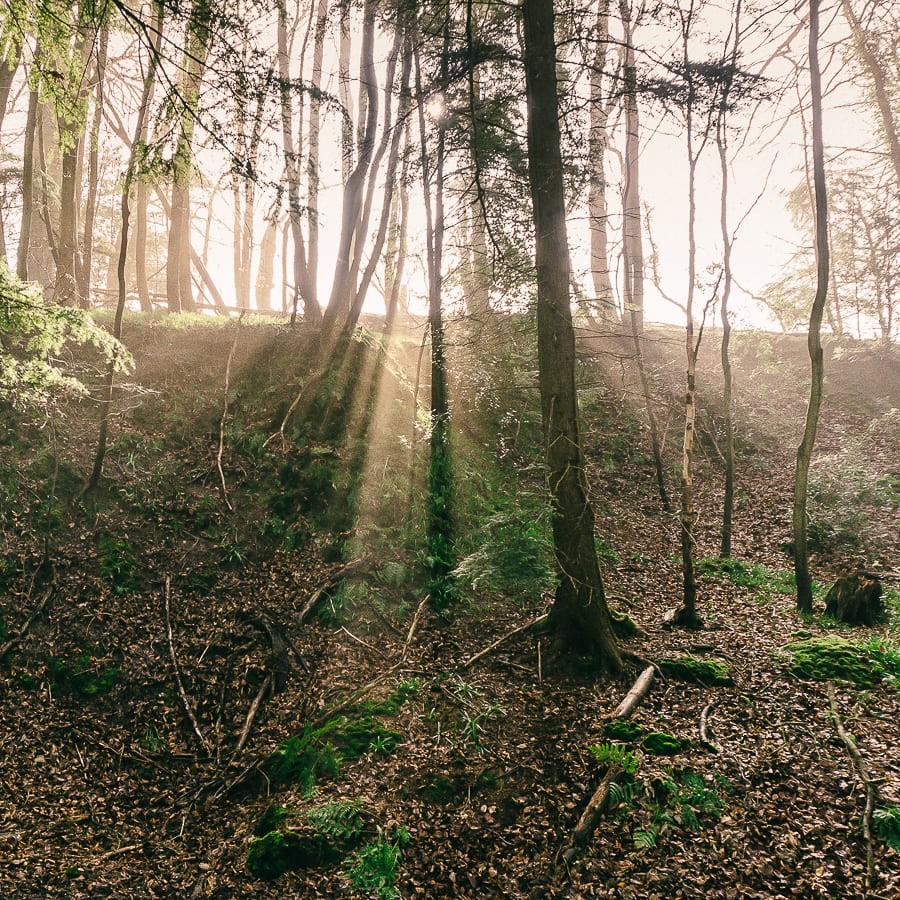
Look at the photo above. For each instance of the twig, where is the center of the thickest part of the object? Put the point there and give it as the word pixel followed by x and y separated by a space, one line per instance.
pixel 181 691
pixel 222 484
pixel 862 771
pixel 353 697
pixel 119 851
pixel 251 714
pixel 350 568
pixel 532 624
pixel 23 631
pixel 413 626
pixel 368 646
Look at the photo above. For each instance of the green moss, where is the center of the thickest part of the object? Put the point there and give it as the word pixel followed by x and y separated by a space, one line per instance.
pixel 271 819
pixel 623 730
pixel 623 625
pixel 316 754
pixel 277 852
pixel 830 657
pixel 661 744
pixel 82 675
pixel 710 672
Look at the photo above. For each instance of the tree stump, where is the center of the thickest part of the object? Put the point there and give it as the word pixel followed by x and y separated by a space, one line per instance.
pixel 855 598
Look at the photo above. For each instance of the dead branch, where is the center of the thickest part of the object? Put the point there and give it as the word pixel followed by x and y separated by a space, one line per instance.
pixel 593 811
pixel 704 727
pixel 222 484
pixel 23 631
pixel 324 589
pixel 532 624
pixel 635 695
pixel 184 698
pixel 871 791
pixel 352 698
pixel 597 804
pixel 413 626
pixel 268 682
pixel 363 643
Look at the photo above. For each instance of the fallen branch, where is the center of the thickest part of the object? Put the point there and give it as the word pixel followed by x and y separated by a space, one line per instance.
pixel 593 811
pixel 23 631
pixel 635 695
pixel 321 592
pixel 222 484
pixel 354 697
pixel 596 806
pixel 414 625
pixel 704 727
pixel 532 624
pixel 252 712
pixel 184 698
pixel 863 773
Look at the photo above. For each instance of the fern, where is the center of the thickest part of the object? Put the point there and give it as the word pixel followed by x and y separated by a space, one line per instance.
pixel 646 840
pixel 615 754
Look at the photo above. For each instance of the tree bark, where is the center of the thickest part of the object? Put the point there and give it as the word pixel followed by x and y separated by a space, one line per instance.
pixel 598 212
pixel 31 125
pixel 579 615
pixel 814 339
pixel 633 246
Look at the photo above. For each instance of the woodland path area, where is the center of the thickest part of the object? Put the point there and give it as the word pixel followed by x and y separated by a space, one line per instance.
pixel 159 650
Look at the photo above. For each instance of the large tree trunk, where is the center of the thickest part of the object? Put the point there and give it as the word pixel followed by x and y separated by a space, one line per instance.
pixel 9 65
pixel 814 340
pixel 580 616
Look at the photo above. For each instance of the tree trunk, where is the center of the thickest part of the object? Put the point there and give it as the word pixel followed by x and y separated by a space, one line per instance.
pixel 127 182
pixel 304 285
pixel 8 68
pixel 880 80
pixel 342 290
pixel 814 340
pixel 633 246
pixel 266 270
pixel 31 125
pixel 579 616
pixel 598 213
pixel 87 242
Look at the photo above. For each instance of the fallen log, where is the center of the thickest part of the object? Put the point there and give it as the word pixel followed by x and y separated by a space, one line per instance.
pixel 596 806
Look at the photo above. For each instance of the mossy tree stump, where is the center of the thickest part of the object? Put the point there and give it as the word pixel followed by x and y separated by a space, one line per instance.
pixel 855 598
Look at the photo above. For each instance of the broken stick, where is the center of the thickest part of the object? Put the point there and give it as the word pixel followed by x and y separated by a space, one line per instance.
pixel 532 624
pixel 184 698
pixel 597 804
pixel 860 766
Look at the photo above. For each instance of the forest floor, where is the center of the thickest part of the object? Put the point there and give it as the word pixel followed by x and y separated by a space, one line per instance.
pixel 158 656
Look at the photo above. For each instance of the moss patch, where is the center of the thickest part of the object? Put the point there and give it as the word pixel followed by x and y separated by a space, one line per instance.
pixel 830 657
pixel 317 753
pixel 661 744
pixel 623 730
pixel 710 672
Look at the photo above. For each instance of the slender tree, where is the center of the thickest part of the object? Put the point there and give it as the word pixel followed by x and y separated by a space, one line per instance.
pixel 814 338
